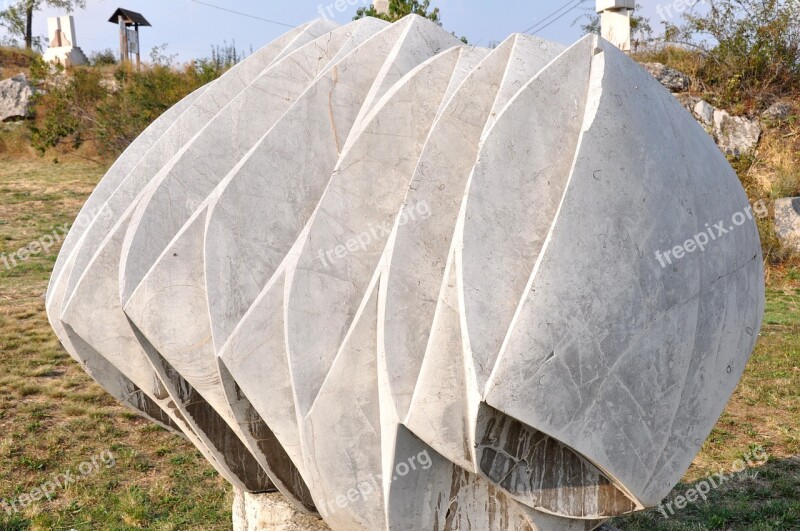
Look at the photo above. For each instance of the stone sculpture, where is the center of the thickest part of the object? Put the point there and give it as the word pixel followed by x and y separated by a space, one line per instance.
pixel 410 284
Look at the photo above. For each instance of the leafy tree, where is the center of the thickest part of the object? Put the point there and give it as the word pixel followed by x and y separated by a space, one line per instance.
pixel 401 8
pixel 17 18
pixel 105 109
pixel 751 47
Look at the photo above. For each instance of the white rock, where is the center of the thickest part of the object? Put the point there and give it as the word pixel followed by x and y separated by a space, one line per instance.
pixel 777 111
pixel 736 135
pixel 15 98
pixel 673 80
pixel 787 221
pixel 705 112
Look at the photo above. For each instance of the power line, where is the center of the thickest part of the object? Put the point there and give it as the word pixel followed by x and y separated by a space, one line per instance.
pixel 542 24
pixel 560 16
pixel 244 14
pixel 549 16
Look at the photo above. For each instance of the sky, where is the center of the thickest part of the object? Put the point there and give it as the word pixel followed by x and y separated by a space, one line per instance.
pixel 190 28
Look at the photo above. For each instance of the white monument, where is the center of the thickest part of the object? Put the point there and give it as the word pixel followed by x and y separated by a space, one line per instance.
pixel 615 21
pixel 63 42
pixel 412 284
pixel 382 6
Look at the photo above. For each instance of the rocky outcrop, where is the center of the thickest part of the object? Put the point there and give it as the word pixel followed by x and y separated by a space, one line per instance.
pixel 15 98
pixel 704 112
pixel 787 222
pixel 777 111
pixel 674 80
pixel 736 135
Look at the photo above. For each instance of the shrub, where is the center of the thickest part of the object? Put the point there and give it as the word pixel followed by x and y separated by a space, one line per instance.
pixel 107 57
pixel 105 110
pixel 751 48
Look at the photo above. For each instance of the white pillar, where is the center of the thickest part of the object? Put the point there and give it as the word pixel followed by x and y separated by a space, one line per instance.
pixel 615 21
pixel 382 6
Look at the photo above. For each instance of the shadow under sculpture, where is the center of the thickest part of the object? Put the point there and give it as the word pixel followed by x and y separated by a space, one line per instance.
pixel 412 284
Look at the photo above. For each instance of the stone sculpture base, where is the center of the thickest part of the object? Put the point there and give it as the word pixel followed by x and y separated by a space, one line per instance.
pixel 66 55
pixel 257 512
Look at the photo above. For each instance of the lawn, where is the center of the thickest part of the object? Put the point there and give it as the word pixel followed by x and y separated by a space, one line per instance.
pixel 55 421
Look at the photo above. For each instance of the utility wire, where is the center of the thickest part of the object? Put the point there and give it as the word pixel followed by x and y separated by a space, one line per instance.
pixel 244 14
pixel 539 23
pixel 542 24
pixel 561 16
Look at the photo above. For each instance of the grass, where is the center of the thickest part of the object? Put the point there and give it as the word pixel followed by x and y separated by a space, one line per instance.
pixel 765 412
pixel 53 417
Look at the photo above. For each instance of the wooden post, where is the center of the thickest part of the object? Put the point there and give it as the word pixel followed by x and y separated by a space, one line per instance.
pixel 138 49
pixel 123 40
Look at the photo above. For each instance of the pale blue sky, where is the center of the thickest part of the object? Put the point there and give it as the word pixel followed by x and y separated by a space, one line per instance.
pixel 190 28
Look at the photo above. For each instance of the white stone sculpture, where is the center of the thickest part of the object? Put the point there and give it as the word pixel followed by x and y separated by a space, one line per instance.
pixel 64 47
pixel 412 284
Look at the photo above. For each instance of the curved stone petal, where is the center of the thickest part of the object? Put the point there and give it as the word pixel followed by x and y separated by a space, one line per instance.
pixel 611 366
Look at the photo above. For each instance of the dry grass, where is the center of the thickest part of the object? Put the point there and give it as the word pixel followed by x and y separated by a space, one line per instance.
pixel 14 61
pixel 53 417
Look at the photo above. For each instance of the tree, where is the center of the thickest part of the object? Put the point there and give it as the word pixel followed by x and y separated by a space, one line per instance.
pixel 401 8
pixel 17 18
pixel 752 47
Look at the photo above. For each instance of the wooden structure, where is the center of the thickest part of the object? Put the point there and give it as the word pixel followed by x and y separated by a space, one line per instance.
pixel 129 23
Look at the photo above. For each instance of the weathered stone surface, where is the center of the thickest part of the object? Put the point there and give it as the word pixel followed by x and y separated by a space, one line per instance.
pixel 777 111
pixel 412 284
pixel 673 80
pixel 704 112
pixel 15 98
pixel 259 512
pixel 787 221
pixel 736 135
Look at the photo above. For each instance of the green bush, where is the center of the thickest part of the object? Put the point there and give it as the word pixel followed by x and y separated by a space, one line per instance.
pixel 751 48
pixel 106 109
pixel 107 57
